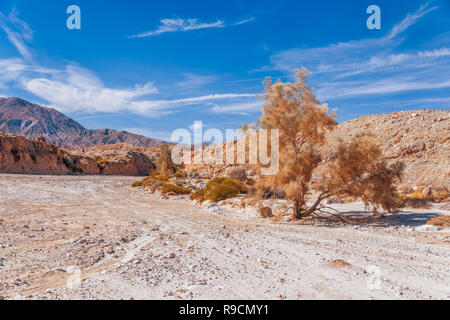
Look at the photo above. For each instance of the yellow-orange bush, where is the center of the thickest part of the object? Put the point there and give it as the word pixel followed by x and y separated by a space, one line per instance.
pixel 356 169
pixel 172 189
pixel 219 188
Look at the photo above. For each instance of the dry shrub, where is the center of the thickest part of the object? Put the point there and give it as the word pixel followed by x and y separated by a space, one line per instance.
pixel 219 188
pixel 137 184
pixel 439 194
pixel 265 212
pixel 416 203
pixel 357 169
pixel 440 221
pixel 419 193
pixel 422 197
pixel 172 189
pixel 164 163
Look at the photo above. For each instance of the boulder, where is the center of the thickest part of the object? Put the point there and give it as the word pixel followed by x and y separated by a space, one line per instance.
pixel 237 173
pixel 265 212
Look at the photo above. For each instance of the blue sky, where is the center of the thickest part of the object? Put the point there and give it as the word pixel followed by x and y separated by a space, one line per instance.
pixel 151 67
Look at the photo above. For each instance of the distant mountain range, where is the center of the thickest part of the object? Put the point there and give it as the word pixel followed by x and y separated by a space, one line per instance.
pixel 22 118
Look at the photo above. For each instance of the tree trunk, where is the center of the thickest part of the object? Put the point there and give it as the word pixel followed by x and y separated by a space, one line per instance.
pixel 297 210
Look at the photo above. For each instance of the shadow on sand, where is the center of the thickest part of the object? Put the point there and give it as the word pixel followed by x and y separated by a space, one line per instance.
pixel 403 218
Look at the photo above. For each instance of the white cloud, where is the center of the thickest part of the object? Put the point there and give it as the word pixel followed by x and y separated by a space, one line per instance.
pixel 244 21
pixel 75 89
pixel 409 20
pixel 385 86
pixel 154 107
pixel 350 56
pixel 173 25
pixel 182 25
pixel 18 33
pixel 81 90
pixel 192 80
pixel 241 108
pixel 370 66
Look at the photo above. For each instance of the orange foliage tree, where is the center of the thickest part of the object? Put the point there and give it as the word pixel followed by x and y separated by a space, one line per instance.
pixel 356 169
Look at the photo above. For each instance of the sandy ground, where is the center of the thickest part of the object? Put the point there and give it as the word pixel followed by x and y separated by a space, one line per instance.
pixel 96 238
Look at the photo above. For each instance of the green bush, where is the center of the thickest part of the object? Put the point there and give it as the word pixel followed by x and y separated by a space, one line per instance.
pixel 220 188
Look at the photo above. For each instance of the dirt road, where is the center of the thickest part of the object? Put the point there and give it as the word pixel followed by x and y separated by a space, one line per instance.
pixel 67 237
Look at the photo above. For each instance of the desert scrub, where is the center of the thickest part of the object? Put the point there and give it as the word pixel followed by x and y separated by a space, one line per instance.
pixel 422 197
pixel 440 221
pixel 171 189
pixel 219 188
pixel 137 184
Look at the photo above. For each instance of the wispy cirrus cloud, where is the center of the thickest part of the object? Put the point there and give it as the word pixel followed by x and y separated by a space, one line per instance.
pixel 18 32
pixel 76 89
pixel 370 66
pixel 182 25
pixel 345 56
pixel 244 21
pixel 240 108
pixel 192 80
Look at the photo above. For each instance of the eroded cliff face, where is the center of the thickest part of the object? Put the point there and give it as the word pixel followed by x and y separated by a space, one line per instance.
pixel 120 158
pixel 23 155
pixel 35 156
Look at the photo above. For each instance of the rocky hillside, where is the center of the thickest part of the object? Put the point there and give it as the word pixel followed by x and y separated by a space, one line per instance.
pixel 35 156
pixel 19 117
pixel 420 138
pixel 121 158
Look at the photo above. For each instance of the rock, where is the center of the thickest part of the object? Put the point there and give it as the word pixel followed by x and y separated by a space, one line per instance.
pixel 194 175
pixel 201 185
pixel 172 256
pixel 213 207
pixel 251 173
pixel 265 212
pixel 427 227
pixel 237 173
pixel 334 200
pixel 273 193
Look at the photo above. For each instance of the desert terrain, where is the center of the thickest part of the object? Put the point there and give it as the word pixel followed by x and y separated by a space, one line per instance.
pixel 95 237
